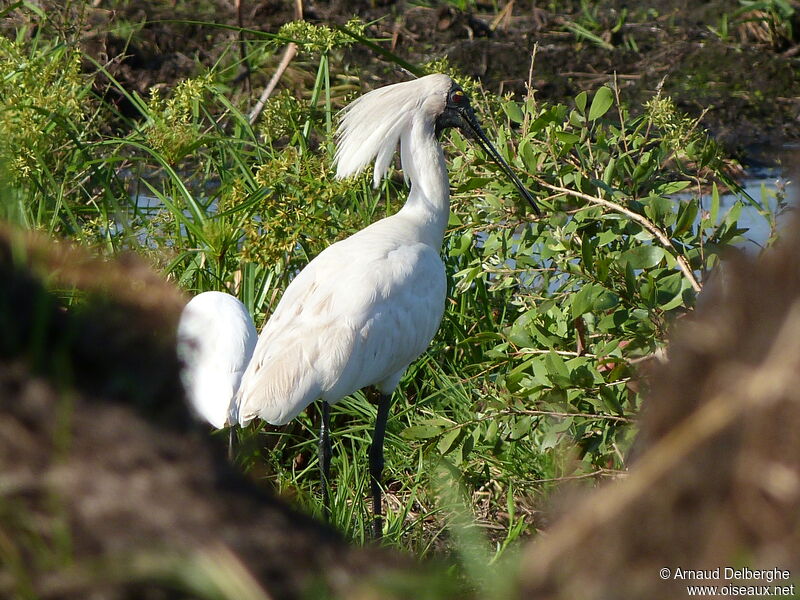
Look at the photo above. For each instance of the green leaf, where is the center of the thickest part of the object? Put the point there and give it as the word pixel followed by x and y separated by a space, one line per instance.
pixel 420 432
pixel 550 439
pixel 714 203
pixel 560 424
pixel 643 257
pixel 530 156
pixel 576 119
pixel 680 298
pixel 539 124
pixel 658 208
pixel 668 287
pixel 464 244
pixel 605 300
pixel 581 32
pixel 511 503
pixel 514 112
pixel 567 138
pixel 603 186
pixel 588 248
pixel 498 352
pixel 580 102
pixel 610 400
pixel 733 214
pixel 466 448
pixel 473 183
pixel 642 168
pixel 448 440
pixel 521 427
pixel 583 301
pixel 557 369
pixel 608 172
pixel 672 187
pixel 519 332
pixel 686 217
pixel 602 101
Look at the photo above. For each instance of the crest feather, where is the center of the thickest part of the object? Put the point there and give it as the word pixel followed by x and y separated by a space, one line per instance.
pixel 371 126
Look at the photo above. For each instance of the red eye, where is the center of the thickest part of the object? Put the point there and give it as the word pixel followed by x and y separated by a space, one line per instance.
pixel 458 97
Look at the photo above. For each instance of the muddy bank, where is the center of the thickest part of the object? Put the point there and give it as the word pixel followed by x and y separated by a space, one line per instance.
pixel 739 70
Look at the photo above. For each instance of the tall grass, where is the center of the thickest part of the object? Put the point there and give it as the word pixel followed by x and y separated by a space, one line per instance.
pixel 532 376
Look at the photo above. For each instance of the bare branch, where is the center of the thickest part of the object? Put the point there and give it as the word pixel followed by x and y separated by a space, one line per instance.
pixel 288 55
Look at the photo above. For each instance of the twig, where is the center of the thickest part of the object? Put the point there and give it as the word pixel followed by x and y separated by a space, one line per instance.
pixel 535 351
pixel 503 17
pixel 515 412
pixel 599 473
pixel 529 91
pixel 555 413
pixel 288 55
pixel 660 235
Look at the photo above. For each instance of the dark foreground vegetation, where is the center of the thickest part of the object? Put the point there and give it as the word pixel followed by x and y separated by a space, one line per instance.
pixel 132 145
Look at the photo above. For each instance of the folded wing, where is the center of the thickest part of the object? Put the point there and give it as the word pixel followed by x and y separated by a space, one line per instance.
pixel 348 320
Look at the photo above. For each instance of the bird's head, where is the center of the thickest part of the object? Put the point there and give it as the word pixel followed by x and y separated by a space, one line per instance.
pixel 458 113
pixel 372 126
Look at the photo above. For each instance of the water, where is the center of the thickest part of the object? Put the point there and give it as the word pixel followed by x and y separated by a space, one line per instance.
pixel 769 187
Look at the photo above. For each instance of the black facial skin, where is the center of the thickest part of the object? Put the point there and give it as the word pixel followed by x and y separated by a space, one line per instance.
pixel 458 113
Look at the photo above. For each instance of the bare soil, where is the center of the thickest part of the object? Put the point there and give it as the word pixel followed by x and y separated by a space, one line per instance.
pixel 744 83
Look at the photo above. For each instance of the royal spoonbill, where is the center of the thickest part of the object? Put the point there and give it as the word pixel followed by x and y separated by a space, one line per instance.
pixel 216 338
pixel 367 306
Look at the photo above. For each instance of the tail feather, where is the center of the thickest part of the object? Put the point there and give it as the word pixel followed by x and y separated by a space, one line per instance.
pixel 276 390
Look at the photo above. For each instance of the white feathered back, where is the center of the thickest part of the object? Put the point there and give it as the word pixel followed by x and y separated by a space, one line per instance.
pixel 365 132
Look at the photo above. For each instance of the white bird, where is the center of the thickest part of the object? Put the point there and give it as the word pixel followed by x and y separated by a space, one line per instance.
pixel 366 307
pixel 216 338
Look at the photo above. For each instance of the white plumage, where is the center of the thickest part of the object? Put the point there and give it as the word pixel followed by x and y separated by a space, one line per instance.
pixel 367 306
pixel 357 315
pixel 216 338
pixel 373 125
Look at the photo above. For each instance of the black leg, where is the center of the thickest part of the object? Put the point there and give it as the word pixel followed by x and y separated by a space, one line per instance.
pixel 325 456
pixel 376 464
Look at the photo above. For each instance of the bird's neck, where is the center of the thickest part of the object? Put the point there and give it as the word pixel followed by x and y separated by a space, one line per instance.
pixel 428 204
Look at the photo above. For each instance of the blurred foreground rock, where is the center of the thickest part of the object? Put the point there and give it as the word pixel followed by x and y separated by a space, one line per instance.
pixel 107 489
